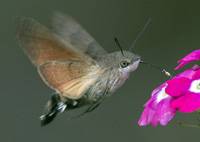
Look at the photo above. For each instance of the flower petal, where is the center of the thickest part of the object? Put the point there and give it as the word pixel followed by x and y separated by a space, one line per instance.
pixel 161 114
pixel 177 86
pixel 165 112
pixel 158 108
pixel 189 73
pixel 196 74
pixel 193 56
pixel 187 103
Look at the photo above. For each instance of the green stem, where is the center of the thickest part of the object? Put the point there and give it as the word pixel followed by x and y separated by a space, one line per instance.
pixel 186 124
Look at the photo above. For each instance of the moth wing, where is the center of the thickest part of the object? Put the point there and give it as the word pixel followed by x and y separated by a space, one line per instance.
pixel 41 45
pixel 72 32
pixel 71 79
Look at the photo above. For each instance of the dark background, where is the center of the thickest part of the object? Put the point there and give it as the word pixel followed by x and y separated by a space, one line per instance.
pixel 174 31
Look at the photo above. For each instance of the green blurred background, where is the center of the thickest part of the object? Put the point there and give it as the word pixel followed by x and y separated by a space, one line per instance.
pixel 174 31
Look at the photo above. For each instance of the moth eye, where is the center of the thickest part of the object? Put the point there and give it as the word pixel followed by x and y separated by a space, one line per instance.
pixel 195 86
pixel 124 64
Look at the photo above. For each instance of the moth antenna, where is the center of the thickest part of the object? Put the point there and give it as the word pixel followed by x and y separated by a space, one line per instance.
pixel 140 34
pixel 158 68
pixel 119 45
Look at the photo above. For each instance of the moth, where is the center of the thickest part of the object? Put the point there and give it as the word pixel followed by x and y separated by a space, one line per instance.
pixel 72 63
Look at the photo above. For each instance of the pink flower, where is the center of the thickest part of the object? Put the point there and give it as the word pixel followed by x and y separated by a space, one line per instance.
pixel 180 93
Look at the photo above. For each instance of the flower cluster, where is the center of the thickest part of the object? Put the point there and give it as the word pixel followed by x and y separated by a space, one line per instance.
pixel 180 93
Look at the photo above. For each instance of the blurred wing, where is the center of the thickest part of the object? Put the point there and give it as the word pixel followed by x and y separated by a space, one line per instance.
pixel 73 33
pixel 69 78
pixel 41 45
pixel 62 67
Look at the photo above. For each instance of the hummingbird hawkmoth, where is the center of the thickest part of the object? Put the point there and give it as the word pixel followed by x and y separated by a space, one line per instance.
pixel 73 64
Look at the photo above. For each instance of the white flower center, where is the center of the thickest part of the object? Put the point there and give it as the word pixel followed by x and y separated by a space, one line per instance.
pixel 195 86
pixel 161 95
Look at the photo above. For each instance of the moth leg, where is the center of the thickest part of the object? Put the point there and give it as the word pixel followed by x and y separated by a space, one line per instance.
pixel 95 105
pixel 89 109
